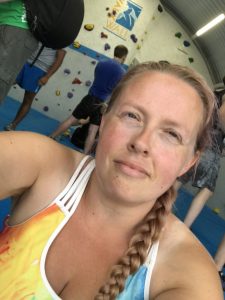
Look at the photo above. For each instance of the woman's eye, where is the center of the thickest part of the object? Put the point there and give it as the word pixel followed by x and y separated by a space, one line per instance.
pixel 131 115
pixel 174 136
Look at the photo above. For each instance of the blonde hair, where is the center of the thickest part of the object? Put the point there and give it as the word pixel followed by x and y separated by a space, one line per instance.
pixel 149 229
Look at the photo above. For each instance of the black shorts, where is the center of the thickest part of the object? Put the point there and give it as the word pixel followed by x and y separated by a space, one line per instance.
pixel 205 173
pixel 89 106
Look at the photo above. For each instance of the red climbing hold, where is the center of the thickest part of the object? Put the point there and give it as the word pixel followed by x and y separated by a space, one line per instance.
pixel 76 81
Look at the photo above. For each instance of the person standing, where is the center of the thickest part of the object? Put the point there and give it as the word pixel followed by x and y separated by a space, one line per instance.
pixel 107 75
pixel 16 43
pixel 205 174
pixel 32 77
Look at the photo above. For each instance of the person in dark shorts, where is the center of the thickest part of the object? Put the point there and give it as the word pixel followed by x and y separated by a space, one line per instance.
pixel 79 136
pixel 80 133
pixel 107 75
pixel 204 176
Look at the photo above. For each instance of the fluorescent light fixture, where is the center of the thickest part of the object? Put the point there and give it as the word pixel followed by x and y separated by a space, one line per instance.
pixel 211 24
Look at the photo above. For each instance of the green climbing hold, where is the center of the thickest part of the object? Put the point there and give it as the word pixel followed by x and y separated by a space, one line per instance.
pixel 178 35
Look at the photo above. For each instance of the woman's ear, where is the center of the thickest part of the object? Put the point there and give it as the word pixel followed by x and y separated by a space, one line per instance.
pixel 191 163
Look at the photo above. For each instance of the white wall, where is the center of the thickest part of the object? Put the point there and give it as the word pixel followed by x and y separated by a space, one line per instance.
pixel 160 43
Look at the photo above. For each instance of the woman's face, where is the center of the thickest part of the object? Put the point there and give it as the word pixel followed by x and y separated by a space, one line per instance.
pixel 147 139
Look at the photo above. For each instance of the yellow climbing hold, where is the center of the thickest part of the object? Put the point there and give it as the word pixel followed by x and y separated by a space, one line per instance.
pixel 216 210
pixel 76 44
pixel 138 46
pixel 67 132
pixel 89 27
pixel 57 92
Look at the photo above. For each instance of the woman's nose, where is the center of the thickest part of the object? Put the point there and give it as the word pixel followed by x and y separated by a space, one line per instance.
pixel 140 143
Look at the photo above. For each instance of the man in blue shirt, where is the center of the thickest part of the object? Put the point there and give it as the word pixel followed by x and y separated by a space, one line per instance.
pixel 107 74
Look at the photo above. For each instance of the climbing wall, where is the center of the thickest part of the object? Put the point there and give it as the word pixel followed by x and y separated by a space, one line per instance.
pixel 106 24
pixel 142 25
pixel 165 39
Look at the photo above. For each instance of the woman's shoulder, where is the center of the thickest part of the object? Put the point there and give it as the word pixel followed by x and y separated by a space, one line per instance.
pixel 36 169
pixel 42 146
pixel 51 156
pixel 183 266
pixel 178 243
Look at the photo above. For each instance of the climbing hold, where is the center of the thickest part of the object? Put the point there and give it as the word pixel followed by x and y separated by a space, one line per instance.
pixel 89 27
pixel 76 44
pixel 76 81
pixel 79 72
pixel 69 95
pixel 93 62
pixel 216 210
pixel 191 59
pixel 107 8
pixel 104 35
pixel 45 108
pixel 107 47
pixel 58 104
pixel 109 15
pixel 88 83
pixel 178 35
pixel 36 99
pixel 138 47
pixel 57 92
pixel 114 12
pixel 160 9
pixel 134 38
pixel 73 90
pixel 67 132
pixel 69 109
pixel 186 43
pixel 67 71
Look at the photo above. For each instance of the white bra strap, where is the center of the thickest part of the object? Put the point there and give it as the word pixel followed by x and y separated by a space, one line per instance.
pixel 75 199
pixel 150 262
pixel 76 185
pixel 72 179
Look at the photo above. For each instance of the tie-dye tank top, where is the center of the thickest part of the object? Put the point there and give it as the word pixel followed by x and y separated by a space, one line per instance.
pixel 22 257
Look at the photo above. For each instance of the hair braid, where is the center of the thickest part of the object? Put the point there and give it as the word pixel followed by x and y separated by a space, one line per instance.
pixel 147 233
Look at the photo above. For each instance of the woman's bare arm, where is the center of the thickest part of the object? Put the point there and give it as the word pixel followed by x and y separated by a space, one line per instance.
pixel 24 157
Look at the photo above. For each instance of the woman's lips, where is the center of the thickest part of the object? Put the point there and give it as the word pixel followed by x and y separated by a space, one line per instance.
pixel 132 169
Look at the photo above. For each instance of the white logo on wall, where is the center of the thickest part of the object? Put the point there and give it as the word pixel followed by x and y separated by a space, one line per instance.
pixel 124 19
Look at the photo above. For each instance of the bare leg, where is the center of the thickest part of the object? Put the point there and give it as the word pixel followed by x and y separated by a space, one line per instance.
pixel 24 108
pixel 197 205
pixel 71 121
pixel 89 142
pixel 220 255
pixel 177 185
